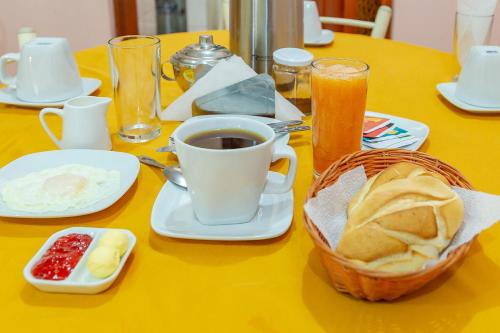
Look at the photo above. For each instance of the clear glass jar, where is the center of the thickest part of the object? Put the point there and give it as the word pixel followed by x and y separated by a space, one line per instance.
pixel 292 75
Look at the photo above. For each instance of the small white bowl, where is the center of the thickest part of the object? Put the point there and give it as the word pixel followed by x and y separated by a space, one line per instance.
pixel 79 281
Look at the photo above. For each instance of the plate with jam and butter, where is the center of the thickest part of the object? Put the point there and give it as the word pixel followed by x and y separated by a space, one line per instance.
pixel 76 260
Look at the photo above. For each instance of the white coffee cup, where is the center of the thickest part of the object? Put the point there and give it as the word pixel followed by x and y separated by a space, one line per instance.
pixel 312 24
pixel 84 123
pixel 479 80
pixel 46 71
pixel 225 186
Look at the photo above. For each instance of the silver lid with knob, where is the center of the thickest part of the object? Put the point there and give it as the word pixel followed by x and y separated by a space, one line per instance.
pixel 205 52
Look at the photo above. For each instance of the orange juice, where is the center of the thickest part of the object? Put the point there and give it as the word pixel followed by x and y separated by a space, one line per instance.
pixel 339 88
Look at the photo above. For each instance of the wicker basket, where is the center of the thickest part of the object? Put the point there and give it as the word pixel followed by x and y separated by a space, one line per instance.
pixel 373 285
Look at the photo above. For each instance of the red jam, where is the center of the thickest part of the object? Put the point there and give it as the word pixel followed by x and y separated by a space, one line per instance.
pixel 60 259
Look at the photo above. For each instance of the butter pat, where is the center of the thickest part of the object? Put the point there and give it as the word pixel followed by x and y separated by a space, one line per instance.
pixel 103 261
pixel 115 239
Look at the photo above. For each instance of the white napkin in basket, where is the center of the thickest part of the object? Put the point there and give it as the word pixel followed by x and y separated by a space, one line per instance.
pixel 224 74
pixel 328 210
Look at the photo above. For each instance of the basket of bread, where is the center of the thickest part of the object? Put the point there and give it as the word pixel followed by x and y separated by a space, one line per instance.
pixel 397 224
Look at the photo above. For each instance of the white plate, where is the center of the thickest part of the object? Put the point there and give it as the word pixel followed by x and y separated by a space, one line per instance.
pixel 8 96
pixel 280 138
pixel 448 91
pixel 417 129
pixel 327 36
pixel 173 216
pixel 80 281
pixel 126 164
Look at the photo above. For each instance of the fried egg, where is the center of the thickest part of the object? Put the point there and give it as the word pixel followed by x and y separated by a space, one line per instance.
pixel 70 186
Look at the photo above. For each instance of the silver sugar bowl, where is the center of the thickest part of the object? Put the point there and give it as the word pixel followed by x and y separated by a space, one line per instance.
pixel 195 60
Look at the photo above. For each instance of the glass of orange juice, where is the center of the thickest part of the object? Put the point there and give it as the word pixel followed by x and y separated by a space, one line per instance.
pixel 339 88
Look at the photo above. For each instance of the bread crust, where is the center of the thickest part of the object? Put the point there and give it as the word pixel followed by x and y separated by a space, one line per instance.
pixel 400 219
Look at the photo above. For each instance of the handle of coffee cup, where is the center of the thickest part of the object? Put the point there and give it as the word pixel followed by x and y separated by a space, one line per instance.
pixel 58 112
pixel 163 75
pixel 283 151
pixel 4 77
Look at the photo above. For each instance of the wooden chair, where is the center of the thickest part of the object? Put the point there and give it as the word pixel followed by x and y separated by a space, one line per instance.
pixel 379 27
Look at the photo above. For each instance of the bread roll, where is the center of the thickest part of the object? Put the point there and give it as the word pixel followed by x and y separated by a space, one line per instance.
pixel 400 219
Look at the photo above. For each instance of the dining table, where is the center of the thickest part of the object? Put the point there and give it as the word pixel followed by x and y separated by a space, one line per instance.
pixel 274 285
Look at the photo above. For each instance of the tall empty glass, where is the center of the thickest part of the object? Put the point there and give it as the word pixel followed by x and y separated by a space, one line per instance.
pixel 135 73
pixel 471 30
pixel 339 88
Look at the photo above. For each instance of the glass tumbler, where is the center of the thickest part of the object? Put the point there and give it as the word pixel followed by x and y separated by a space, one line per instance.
pixel 471 30
pixel 339 88
pixel 135 74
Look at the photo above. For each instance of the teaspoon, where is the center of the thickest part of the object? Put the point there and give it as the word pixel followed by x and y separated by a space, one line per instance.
pixel 172 173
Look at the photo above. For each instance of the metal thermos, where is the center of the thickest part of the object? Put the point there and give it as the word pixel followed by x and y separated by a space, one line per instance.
pixel 259 27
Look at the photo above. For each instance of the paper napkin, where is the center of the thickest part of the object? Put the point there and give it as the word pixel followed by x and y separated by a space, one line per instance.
pixel 328 210
pixel 225 73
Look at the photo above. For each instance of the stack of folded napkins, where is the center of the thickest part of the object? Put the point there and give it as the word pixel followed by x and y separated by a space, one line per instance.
pixel 225 73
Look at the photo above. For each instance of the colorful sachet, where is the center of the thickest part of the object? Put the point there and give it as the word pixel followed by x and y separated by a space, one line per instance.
pixel 385 133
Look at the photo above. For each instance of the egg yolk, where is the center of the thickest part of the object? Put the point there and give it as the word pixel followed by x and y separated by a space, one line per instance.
pixel 65 184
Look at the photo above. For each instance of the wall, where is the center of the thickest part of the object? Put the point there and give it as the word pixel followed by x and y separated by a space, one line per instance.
pixel 203 14
pixel 495 35
pixel 86 23
pixel 430 23
pixel 146 16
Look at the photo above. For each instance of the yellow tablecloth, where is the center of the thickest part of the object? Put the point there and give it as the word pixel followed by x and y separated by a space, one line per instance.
pixel 277 285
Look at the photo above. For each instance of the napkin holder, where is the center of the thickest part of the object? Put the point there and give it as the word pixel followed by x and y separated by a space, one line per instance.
pixel 254 96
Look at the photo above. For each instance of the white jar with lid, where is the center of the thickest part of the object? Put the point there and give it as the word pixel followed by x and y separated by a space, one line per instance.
pixel 292 74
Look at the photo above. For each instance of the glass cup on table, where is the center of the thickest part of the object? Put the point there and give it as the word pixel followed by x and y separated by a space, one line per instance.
pixel 339 88
pixel 471 30
pixel 135 73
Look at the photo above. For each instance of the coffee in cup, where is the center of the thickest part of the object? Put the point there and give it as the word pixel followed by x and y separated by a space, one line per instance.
pixel 226 161
pixel 46 71
pixel 225 139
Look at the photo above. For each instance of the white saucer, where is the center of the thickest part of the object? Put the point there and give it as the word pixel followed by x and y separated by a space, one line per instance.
pixel 173 216
pixel 419 130
pixel 8 96
pixel 448 91
pixel 80 281
pixel 327 36
pixel 126 164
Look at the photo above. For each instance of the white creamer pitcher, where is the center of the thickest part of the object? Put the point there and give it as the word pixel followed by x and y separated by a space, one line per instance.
pixel 84 123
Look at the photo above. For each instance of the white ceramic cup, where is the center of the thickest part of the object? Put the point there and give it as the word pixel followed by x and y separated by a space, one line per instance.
pixel 479 80
pixel 225 186
pixel 84 123
pixel 312 24
pixel 46 71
